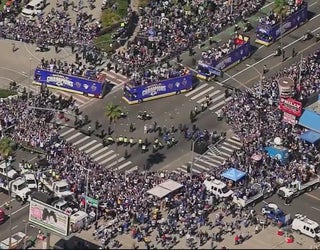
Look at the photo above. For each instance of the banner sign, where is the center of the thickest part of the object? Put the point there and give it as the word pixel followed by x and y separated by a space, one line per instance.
pixel 242 51
pixel 280 153
pixel 176 84
pixel 70 82
pixel 92 202
pixel 288 118
pixel 48 217
pixel 290 106
pixel 292 21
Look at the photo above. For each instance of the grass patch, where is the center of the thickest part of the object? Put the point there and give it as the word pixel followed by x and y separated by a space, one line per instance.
pixel 143 3
pixel 4 93
pixel 110 17
pixel 104 42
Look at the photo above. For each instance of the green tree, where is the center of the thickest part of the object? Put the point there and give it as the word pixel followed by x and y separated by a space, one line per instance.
pixel 7 146
pixel 281 7
pixel 113 112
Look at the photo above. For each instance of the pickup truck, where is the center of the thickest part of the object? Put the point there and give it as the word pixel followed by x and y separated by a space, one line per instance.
pixel 259 191
pixel 297 188
pixel 7 170
pixel 17 241
pixel 58 188
pixel 18 187
pixel 31 181
pixel 217 188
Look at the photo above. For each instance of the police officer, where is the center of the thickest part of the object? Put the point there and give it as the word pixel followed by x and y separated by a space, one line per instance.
pixel 143 148
pixel 125 140
pixel 131 141
pixel 104 142
pixel 140 142
pixel 97 125
pixel 131 127
pixel 202 107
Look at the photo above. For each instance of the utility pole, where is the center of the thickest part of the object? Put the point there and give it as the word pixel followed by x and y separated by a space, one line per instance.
pixel 10 207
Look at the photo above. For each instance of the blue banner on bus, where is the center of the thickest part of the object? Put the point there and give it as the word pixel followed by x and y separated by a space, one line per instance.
pixel 211 67
pixel 172 86
pixel 267 33
pixel 69 83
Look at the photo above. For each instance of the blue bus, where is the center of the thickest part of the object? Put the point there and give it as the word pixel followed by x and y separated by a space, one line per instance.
pixel 134 93
pixel 209 68
pixel 269 33
pixel 88 85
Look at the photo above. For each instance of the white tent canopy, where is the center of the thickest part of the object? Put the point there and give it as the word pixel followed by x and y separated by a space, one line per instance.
pixel 165 188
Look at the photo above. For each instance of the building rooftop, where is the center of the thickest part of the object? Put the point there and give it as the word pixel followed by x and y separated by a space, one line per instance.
pixel 315 107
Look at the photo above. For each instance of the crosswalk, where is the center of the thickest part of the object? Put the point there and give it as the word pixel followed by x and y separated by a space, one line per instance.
pixel 217 96
pixel 80 100
pixel 104 156
pixel 213 157
pixel 115 78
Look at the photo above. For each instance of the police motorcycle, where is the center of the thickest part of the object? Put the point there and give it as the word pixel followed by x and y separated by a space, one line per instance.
pixel 156 145
pixel 42 47
pixel 170 141
pixel 247 26
pixel 277 52
pixel 307 36
pixel 144 116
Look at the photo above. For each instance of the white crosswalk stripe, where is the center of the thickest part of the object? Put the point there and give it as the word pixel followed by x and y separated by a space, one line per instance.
pixel 73 136
pixel 81 140
pixel 196 89
pixel 213 158
pixel 200 93
pixel 104 156
pixel 88 145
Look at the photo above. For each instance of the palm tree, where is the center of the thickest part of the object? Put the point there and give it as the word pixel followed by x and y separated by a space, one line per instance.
pixel 7 146
pixel 281 8
pixel 113 112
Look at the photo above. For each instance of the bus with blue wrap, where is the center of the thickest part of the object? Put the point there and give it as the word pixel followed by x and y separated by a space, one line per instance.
pixel 220 58
pixel 269 28
pixel 157 84
pixel 90 84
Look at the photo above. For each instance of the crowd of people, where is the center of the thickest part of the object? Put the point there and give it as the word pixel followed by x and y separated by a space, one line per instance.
pixel 157 74
pixel 62 67
pixel 273 18
pixel 169 27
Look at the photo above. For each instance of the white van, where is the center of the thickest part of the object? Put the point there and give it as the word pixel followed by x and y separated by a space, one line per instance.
pixel 303 225
pixel 217 188
pixel 33 8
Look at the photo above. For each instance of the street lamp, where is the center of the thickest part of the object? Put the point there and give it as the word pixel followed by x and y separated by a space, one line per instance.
pixel 86 193
pixel 260 76
pixel 10 209
pixel 25 232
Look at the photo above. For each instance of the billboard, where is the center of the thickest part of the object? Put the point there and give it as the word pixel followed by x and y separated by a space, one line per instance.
pixel 69 82
pixel 292 21
pixel 172 85
pixel 48 217
pixel 290 106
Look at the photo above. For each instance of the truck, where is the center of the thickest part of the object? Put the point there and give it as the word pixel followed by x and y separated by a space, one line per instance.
pixel 17 241
pixel 209 68
pixel 7 170
pixel 296 188
pixel 217 188
pixel 268 33
pixel 259 193
pixel 58 188
pixel 18 187
pixel 31 181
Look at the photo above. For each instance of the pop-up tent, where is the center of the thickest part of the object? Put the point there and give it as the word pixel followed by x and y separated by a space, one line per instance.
pixel 165 188
pixel 233 174
pixel 311 137
pixel 281 153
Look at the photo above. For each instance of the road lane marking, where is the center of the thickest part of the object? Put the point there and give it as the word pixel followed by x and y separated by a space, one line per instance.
pixel 313 196
pixel 13 228
pixel 2 205
pixel 20 209
pixel 315 208
pixel 278 64
pixel 271 55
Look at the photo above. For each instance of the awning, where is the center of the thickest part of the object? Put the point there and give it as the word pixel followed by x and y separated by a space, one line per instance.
pixel 233 174
pixel 310 136
pixel 165 188
pixel 310 120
